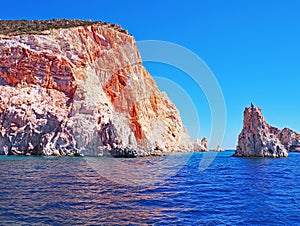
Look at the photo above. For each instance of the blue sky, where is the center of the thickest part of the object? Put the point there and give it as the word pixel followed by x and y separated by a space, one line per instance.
pixel 252 47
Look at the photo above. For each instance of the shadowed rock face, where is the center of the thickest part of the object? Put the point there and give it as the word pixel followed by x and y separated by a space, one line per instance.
pixel 82 90
pixel 257 138
pixel 33 122
pixel 290 139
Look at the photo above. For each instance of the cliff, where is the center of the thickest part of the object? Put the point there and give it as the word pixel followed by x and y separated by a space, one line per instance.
pixel 258 138
pixel 81 89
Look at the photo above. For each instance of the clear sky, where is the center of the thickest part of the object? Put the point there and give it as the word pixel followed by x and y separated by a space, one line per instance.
pixel 252 47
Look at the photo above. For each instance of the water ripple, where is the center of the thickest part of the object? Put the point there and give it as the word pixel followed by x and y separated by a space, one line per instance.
pixel 232 191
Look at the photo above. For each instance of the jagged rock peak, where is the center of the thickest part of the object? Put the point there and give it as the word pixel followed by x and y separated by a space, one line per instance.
pixel 257 138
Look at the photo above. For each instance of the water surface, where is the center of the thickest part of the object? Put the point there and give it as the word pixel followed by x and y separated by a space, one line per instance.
pixel 69 191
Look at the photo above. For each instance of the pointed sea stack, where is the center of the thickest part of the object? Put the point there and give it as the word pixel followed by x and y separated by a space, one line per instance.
pixel 257 138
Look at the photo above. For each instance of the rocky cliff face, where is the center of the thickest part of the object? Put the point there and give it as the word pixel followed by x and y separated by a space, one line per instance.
pixel 257 138
pixel 82 90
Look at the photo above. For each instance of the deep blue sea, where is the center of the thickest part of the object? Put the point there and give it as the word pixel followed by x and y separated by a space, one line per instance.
pixel 73 191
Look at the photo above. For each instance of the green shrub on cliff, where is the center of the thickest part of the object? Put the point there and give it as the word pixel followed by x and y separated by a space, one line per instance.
pixel 19 27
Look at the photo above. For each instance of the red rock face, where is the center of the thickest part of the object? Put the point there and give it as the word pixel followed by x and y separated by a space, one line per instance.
pixel 134 123
pixel 22 66
pixel 99 72
pixel 124 98
pixel 121 96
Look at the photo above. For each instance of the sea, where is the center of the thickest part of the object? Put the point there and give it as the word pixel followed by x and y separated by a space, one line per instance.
pixel 163 190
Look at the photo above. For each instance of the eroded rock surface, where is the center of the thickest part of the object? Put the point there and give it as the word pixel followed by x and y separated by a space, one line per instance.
pixel 290 139
pixel 257 138
pixel 82 90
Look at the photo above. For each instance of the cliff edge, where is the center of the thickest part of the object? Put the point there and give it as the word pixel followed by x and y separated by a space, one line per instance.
pixel 81 89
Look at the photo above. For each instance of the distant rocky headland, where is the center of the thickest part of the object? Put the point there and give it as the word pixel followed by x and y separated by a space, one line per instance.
pixel 259 139
pixel 70 87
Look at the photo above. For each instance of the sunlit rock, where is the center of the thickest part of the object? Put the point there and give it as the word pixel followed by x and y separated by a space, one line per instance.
pixel 200 146
pixel 257 138
pixel 82 90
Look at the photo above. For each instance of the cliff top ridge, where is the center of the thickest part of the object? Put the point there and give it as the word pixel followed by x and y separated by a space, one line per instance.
pixel 21 27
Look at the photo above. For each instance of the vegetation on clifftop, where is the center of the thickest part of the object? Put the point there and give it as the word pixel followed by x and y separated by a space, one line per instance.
pixel 20 27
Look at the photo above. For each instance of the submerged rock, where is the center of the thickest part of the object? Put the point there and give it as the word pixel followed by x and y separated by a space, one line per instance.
pixel 82 89
pixel 257 139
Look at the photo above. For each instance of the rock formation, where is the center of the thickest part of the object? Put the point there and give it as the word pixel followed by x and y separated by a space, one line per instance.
pixel 204 143
pixel 290 139
pixel 219 149
pixel 200 146
pixel 82 90
pixel 257 138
